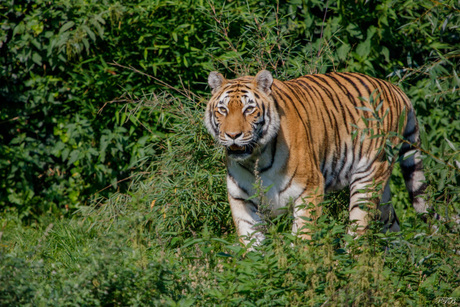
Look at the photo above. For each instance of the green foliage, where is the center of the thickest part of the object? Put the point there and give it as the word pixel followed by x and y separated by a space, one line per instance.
pixel 184 188
pixel 68 133
pixel 70 262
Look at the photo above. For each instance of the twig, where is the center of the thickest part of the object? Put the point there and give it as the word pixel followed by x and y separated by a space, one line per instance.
pixel 430 154
pixel 322 28
pixel 124 179
pixel 184 92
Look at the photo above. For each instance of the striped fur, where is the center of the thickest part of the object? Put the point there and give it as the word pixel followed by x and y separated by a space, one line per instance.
pixel 297 137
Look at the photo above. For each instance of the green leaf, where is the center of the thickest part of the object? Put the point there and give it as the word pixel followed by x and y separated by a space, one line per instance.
pixel 364 109
pixel 86 44
pixel 343 51
pixel 19 28
pixel 191 242
pixel 99 28
pixel 386 53
pixel 364 49
pixel 89 32
pixel 37 58
pixel 402 120
pixel 74 155
pixel 66 27
pixel 451 145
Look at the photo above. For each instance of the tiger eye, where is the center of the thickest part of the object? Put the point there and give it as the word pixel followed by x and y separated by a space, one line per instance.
pixel 249 110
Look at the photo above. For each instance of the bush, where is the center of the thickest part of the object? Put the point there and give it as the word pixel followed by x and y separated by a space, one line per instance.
pixel 68 131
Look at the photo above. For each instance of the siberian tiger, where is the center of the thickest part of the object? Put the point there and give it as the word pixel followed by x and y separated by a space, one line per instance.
pixel 308 136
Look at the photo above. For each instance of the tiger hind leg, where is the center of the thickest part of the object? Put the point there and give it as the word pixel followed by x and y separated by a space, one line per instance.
pixel 368 190
pixel 411 165
pixel 388 215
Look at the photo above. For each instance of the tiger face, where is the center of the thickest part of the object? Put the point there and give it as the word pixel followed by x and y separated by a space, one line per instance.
pixel 241 114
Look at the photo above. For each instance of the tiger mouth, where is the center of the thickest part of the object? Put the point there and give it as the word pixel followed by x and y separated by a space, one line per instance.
pixel 238 150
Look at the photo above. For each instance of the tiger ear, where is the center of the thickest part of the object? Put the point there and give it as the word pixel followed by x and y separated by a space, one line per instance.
pixel 215 80
pixel 263 81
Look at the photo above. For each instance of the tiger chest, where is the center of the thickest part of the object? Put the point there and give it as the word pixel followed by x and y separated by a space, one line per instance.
pixel 271 189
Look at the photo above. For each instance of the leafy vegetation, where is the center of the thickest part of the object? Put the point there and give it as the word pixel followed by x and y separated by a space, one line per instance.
pixel 112 192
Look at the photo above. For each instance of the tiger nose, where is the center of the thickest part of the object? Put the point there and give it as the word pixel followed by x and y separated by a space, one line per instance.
pixel 233 135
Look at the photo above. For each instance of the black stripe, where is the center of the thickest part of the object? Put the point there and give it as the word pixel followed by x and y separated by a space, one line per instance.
pixel 356 77
pixel 326 174
pixel 353 193
pixel 344 88
pixel 354 206
pixel 232 178
pixel 405 149
pixel 385 93
pixel 419 191
pixel 325 91
pixel 289 183
pixel 254 206
pixel 322 87
pixel 273 153
pixel 348 94
pixel 246 221
pixel 344 159
pixel 394 103
pixel 408 170
pixel 402 96
pixel 332 92
pixel 408 134
pixel 263 125
pixel 364 84
pixel 306 90
pixel 359 144
pixel 370 169
pixel 376 85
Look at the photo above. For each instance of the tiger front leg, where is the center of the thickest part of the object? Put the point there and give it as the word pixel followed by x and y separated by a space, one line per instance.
pixel 246 218
pixel 307 209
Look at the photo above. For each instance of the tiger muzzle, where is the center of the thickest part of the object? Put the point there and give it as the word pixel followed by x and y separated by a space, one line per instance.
pixel 239 152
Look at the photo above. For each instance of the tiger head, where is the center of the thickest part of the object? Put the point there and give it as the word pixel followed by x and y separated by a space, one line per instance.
pixel 241 114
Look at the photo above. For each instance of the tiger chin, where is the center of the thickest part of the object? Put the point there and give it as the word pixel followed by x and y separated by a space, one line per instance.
pixel 308 136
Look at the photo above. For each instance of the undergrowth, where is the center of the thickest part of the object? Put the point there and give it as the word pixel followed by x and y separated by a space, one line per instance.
pixel 72 262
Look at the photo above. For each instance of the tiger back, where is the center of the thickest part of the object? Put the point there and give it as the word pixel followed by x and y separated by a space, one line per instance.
pixel 309 136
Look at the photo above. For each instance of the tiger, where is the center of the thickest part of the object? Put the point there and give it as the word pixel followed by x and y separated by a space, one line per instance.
pixel 305 137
